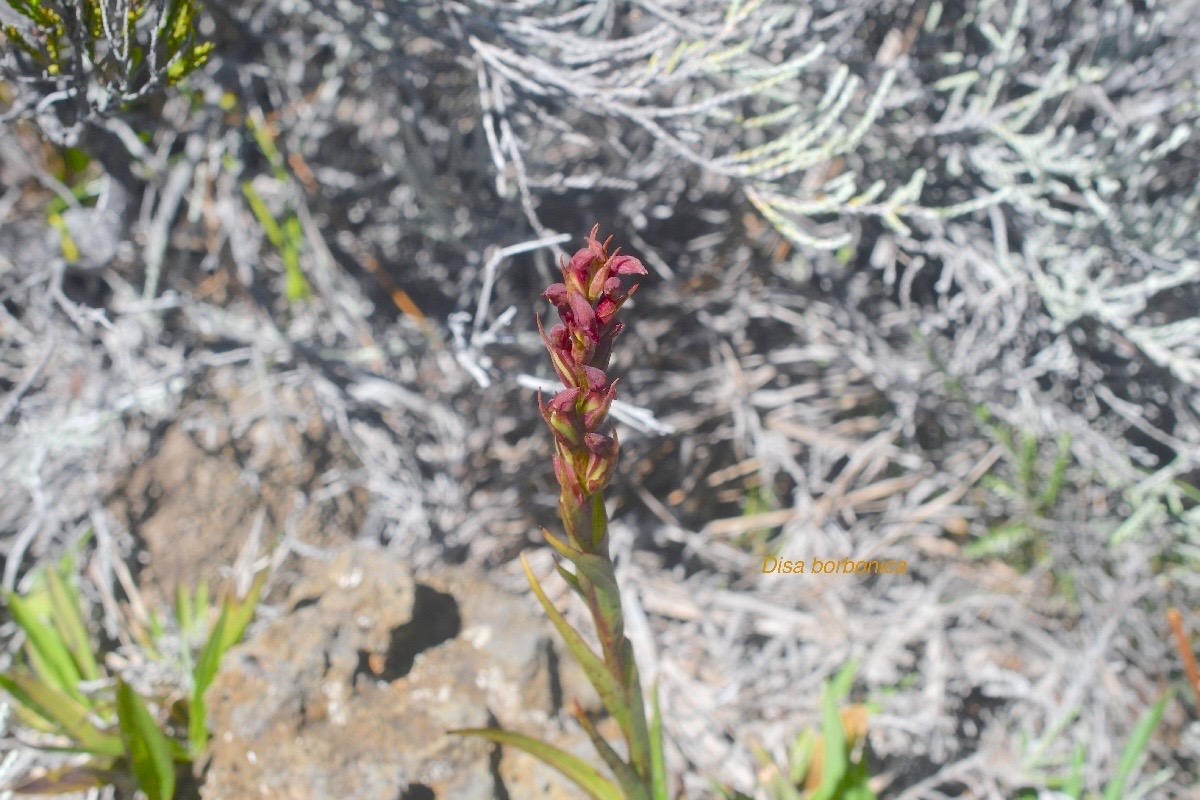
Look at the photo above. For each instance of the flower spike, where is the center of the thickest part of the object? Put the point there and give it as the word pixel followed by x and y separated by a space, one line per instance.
pixel 595 284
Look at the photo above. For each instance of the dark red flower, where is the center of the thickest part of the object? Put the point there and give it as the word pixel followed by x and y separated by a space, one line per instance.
pixel 594 287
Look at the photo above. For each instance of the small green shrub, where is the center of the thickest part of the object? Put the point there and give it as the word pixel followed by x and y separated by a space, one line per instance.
pixel 1031 489
pixel 65 691
pixel 824 766
pixel 82 58
pixel 1072 786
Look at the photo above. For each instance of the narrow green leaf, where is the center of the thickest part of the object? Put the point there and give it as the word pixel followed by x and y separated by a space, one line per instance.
pixel 1138 742
pixel 184 612
pixel 297 283
pixel 631 785
pixel 1073 788
pixel 202 677
pixel 149 750
pixel 200 603
pixel 726 793
pixel 597 584
pixel 843 682
pixel 70 780
pixel 69 716
pixel 583 774
pixel 639 733
pixel 858 781
pixel 801 756
pixel 53 659
pixel 1027 462
pixel 605 684
pixel 780 789
pixel 658 758
pixel 265 218
pixel 779 785
pixel 833 768
pixel 265 142
pixel 599 521
pixel 241 613
pixel 569 553
pixel 69 621
pixel 1054 480
pixel 570 579
pixel 157 629
pixel 32 718
pixel 1001 541
pixel 235 617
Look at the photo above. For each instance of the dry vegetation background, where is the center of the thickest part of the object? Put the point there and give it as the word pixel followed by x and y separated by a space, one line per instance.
pixel 925 286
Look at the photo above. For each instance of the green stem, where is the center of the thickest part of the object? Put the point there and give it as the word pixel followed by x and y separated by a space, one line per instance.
pixel 602 595
pixel 599 525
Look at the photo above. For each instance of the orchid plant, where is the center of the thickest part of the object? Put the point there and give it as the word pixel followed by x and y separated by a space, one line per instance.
pixel 595 285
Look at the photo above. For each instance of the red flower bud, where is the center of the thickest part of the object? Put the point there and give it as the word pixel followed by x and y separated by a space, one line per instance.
pixel 627 265
pixel 603 349
pixel 557 294
pixel 559 345
pixel 583 316
pixel 601 463
pixel 560 414
pixel 596 379
pixel 606 310
pixel 596 404
pixel 577 272
pixel 598 279
pixel 564 471
pixel 581 263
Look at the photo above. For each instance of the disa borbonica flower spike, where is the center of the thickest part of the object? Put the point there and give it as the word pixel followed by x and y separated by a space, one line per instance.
pixel 595 285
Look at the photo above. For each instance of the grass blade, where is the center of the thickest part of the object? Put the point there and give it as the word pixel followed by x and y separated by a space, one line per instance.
pixel 843 682
pixel 582 773
pixel 69 780
pixel 49 653
pixel 69 621
pixel 184 612
pixel 202 677
pixel 605 684
pixel 241 613
pixel 149 750
pixel 631 784
pixel 67 714
pixel 1138 742
pixel 833 766
pixel 1073 788
pixel 235 617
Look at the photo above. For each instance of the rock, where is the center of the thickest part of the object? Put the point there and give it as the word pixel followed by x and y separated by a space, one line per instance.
pixel 350 693
pixel 209 489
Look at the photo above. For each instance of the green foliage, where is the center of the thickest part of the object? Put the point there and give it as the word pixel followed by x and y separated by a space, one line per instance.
pixel 1032 488
pixel 288 237
pixel 235 617
pixel 148 750
pixel 584 775
pixel 64 690
pixel 1072 786
pixel 155 41
pixel 74 173
pixel 1134 748
pixel 644 776
pixel 821 766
